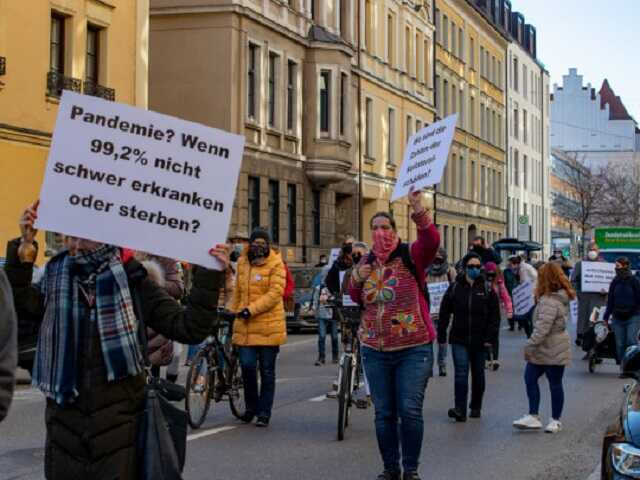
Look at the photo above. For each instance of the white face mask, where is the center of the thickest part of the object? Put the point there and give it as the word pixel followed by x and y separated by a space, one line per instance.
pixel 592 255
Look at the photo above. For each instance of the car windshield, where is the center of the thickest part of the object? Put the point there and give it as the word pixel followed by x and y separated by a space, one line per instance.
pixel 634 257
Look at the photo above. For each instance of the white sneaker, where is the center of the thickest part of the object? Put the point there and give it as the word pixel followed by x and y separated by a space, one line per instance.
pixel 528 422
pixel 554 426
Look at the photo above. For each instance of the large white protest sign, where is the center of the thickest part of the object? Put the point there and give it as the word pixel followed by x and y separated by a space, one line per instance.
pixel 333 255
pixel 346 298
pixel 425 157
pixel 523 299
pixel 139 179
pixel 436 294
pixel 597 276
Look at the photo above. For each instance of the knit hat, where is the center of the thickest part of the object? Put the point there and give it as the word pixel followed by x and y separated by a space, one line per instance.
pixel 470 256
pixel 260 232
pixel 490 267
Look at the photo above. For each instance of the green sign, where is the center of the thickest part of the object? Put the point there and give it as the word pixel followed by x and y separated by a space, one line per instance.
pixel 523 219
pixel 566 252
pixel 618 238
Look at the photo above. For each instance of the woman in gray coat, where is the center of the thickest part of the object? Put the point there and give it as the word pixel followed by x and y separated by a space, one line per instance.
pixel 548 350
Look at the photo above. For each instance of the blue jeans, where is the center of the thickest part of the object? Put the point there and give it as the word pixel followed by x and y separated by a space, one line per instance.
pixel 398 381
pixel 554 374
pixel 467 359
pixel 260 402
pixel 323 323
pixel 626 332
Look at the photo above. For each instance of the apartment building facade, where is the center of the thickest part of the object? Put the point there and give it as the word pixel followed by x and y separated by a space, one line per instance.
pixel 528 127
pixel 94 47
pixel 470 79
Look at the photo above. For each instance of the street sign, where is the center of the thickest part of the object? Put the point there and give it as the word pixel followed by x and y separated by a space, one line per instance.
pixel 524 234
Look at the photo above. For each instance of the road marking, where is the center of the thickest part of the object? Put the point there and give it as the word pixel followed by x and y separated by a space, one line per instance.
pixel 301 342
pixel 213 431
pixel 321 398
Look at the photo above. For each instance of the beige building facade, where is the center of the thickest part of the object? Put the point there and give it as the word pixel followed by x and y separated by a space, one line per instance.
pixel 96 47
pixel 470 81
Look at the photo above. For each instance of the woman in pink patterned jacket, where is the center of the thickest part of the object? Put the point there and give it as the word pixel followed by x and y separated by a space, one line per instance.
pixel 396 333
pixel 495 277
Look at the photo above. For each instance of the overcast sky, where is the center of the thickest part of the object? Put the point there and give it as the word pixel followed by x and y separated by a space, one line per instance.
pixel 599 38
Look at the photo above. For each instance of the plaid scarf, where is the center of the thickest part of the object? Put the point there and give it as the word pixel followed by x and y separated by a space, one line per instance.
pixel 56 362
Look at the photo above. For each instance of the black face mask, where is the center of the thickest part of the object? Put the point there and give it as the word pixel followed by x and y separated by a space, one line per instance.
pixel 258 251
pixel 491 277
pixel 621 272
pixel 438 261
pixel 356 258
pixel 347 248
pixel 234 256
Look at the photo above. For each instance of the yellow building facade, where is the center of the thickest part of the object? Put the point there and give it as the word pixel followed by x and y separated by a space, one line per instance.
pixel 95 47
pixel 394 74
pixel 470 80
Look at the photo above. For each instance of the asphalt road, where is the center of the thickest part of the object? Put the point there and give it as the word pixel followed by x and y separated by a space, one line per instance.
pixel 301 440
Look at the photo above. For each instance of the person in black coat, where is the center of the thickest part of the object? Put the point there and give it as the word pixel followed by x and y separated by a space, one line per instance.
pixel 623 306
pixel 472 309
pixel 92 429
pixel 343 263
pixel 8 345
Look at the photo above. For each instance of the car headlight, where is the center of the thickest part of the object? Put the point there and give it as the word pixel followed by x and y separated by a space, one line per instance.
pixel 626 459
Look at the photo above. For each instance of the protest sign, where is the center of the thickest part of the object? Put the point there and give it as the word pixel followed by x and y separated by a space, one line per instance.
pixel 523 299
pixel 346 298
pixel 425 157
pixel 139 179
pixel 436 294
pixel 333 255
pixel 597 276
pixel 573 312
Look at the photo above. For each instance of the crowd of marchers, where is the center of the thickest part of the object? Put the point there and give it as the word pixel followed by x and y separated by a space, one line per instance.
pixel 93 360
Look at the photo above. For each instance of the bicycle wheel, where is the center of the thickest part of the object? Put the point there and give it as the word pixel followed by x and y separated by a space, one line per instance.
pixel 344 396
pixel 236 389
pixel 200 380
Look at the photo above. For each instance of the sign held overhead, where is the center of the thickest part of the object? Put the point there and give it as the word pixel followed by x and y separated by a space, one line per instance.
pixel 425 157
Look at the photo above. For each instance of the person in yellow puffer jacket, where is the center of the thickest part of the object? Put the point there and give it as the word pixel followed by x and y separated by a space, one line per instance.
pixel 260 327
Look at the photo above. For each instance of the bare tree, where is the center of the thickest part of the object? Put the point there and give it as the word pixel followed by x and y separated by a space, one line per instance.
pixel 583 199
pixel 620 200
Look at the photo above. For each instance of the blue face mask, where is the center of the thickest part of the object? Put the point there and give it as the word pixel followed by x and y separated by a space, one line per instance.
pixel 473 272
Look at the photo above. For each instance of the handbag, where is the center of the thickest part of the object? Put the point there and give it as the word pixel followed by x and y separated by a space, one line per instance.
pixel 162 431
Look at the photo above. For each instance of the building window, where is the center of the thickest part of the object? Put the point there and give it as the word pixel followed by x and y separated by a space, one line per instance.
pixel 254 202
pixel 445 32
pixel 426 76
pixel 516 168
pixel 369 128
pixel 273 66
pixel 252 74
pixel 472 53
pixel 461 118
pixel 437 95
pixel 445 98
pixel 274 210
pixel 93 50
pixel 391 40
pixel 315 214
pixel 291 94
pixel 409 128
pixel 525 126
pixel 368 25
pixel 408 52
pixel 516 122
pixel 56 45
pixel 472 115
pixel 499 79
pixel 418 125
pixel 438 31
pixel 474 187
pixel 525 82
pixel 483 185
pixel 419 55
pixel 391 158
pixel 344 85
pixel 483 125
pixel 525 171
pixel 515 73
pixel 325 100
pixel 292 212
pixel 454 39
pixel 482 66
pixel 461 44
pixel 462 177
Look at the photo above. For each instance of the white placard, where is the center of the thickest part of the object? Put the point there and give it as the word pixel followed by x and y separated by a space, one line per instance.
pixel 436 294
pixel 573 312
pixel 346 298
pixel 597 276
pixel 523 299
pixel 139 179
pixel 425 157
pixel 333 256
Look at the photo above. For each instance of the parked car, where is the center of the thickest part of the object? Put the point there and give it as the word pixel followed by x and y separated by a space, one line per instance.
pixel 621 445
pixel 303 317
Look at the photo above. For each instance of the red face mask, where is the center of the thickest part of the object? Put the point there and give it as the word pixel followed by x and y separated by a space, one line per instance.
pixel 385 242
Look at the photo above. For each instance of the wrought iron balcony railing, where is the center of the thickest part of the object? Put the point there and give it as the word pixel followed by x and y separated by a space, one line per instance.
pixel 3 66
pixel 96 90
pixel 56 82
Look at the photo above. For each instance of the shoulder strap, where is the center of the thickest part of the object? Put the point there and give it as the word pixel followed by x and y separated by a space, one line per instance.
pixel 405 255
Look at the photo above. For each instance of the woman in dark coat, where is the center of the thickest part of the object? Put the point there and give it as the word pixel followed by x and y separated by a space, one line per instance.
pixel 88 361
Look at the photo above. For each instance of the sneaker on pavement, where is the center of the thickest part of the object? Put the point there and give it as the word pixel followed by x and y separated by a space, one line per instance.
pixel 475 413
pixel 457 415
pixel 443 371
pixel 554 426
pixel 262 422
pixel 528 422
pixel 319 362
pixel 387 475
pixel 411 476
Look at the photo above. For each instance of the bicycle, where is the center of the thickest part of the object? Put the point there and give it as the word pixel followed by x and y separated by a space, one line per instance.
pixel 215 374
pixel 350 373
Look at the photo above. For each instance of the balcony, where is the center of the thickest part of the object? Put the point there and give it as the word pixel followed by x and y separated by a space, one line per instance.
pixel 57 82
pixel 3 66
pixel 96 90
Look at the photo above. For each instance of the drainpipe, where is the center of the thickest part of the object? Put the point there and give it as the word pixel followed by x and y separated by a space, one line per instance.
pixel 360 152
pixel 506 137
pixel 433 91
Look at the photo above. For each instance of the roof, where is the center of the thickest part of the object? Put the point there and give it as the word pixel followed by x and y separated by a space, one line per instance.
pixel 319 34
pixel 617 110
